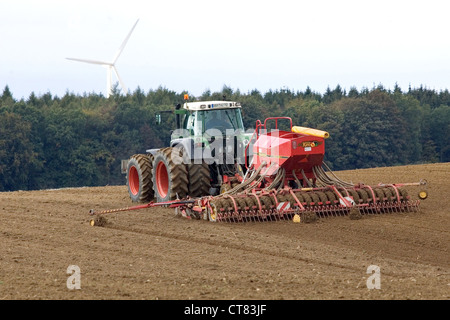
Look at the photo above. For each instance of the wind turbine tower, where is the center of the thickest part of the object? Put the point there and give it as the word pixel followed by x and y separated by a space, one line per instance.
pixel 110 66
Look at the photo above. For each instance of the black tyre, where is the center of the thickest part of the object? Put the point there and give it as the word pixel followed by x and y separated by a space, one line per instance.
pixel 170 177
pixel 199 180
pixel 139 178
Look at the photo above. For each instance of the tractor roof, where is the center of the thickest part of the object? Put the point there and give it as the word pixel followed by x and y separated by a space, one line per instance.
pixel 205 105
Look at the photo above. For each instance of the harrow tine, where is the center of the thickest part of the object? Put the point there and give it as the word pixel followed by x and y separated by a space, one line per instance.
pixel 390 208
pixel 329 210
pixel 393 207
pixel 396 206
pixel 252 215
pixel 237 216
pixel 275 214
pixel 362 209
pixel 322 212
pixel 408 206
pixel 401 206
pixel 405 207
pixel 245 216
pixel 345 211
pixel 267 215
pixel 337 211
pixel 256 215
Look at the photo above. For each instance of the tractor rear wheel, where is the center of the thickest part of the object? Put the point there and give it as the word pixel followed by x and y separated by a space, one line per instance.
pixel 170 177
pixel 199 180
pixel 139 178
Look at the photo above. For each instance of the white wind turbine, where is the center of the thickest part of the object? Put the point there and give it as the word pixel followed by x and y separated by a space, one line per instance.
pixel 110 66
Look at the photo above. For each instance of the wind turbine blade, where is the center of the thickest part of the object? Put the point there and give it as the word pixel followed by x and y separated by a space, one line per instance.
pixel 125 91
pixel 91 61
pixel 124 43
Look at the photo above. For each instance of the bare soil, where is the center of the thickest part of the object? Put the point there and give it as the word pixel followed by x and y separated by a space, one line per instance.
pixel 153 254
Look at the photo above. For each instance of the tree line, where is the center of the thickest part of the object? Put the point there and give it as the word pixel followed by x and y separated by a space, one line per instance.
pixel 48 141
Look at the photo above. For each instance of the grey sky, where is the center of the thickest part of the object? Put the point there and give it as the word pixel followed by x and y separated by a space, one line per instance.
pixel 198 45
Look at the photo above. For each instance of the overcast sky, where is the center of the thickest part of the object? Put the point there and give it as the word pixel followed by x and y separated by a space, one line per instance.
pixel 198 45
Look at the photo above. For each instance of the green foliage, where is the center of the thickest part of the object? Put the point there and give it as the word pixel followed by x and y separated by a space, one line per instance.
pixel 440 133
pixel 18 159
pixel 374 133
pixel 72 141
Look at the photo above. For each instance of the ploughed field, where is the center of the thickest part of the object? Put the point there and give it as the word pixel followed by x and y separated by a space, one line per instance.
pixel 153 254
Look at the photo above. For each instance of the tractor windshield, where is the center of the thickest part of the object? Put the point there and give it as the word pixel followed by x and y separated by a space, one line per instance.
pixel 223 119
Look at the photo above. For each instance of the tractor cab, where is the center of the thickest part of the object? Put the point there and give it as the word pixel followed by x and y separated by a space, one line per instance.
pixel 201 117
pixel 212 131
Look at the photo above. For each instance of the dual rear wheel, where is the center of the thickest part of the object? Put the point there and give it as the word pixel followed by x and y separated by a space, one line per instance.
pixel 166 176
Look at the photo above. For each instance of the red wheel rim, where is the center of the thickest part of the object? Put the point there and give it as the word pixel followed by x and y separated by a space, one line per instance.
pixel 133 180
pixel 162 179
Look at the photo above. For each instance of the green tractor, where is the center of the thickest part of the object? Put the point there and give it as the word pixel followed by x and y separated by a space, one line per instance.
pixel 208 154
